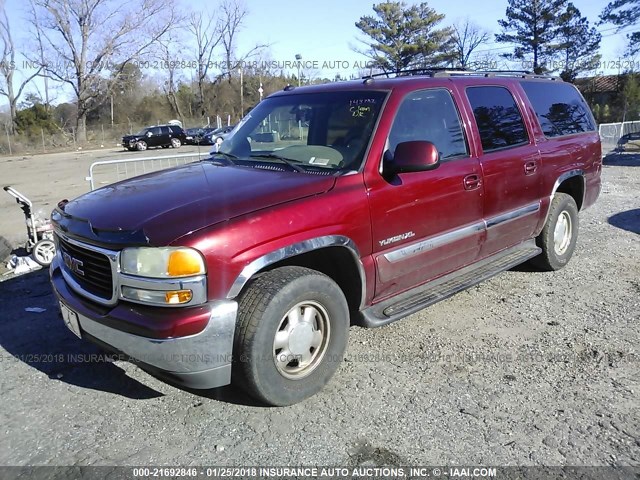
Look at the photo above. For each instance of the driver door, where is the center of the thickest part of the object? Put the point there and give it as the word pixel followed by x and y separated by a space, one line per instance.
pixel 428 223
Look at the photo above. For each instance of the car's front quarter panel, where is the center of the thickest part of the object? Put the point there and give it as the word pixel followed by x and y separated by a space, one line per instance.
pixel 230 246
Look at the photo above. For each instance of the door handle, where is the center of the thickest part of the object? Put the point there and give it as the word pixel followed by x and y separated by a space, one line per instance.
pixel 530 168
pixel 471 182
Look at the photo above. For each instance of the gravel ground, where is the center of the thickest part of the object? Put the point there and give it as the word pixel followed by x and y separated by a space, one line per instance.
pixel 526 369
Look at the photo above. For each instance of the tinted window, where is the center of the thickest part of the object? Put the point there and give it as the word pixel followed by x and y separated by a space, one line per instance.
pixel 175 129
pixel 155 130
pixel 499 121
pixel 429 115
pixel 560 109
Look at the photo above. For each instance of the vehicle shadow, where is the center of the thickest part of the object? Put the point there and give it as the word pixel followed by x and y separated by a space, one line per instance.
pixel 40 339
pixel 629 220
pixel 622 159
pixel 228 394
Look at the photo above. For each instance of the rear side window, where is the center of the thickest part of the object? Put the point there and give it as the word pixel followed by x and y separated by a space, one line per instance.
pixel 499 120
pixel 429 115
pixel 560 109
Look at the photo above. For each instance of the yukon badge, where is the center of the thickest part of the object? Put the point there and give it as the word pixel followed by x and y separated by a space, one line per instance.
pixel 397 238
pixel 73 264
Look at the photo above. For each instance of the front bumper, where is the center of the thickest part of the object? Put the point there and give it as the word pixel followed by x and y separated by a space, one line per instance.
pixel 197 361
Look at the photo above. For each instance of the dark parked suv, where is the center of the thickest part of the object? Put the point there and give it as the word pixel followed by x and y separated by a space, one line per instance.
pixel 351 202
pixel 164 136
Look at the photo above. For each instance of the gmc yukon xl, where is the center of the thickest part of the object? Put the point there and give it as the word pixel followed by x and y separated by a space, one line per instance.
pixel 355 202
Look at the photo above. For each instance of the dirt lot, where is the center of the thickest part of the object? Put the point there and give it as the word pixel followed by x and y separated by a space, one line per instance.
pixel 526 369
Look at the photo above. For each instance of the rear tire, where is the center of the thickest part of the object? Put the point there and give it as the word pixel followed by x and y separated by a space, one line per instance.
pixel 559 235
pixel 291 335
pixel 176 143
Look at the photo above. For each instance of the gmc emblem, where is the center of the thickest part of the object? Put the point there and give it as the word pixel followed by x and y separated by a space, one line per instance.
pixel 72 264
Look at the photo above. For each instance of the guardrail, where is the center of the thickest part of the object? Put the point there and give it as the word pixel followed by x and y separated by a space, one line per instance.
pixel 132 167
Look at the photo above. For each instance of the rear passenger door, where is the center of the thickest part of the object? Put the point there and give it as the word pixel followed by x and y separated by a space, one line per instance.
pixel 156 137
pixel 426 223
pixel 511 168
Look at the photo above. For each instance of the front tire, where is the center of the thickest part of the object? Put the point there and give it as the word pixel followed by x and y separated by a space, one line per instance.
pixel 559 235
pixel 291 335
pixel 141 146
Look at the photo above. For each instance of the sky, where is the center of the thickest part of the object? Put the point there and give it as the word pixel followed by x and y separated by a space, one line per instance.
pixel 324 32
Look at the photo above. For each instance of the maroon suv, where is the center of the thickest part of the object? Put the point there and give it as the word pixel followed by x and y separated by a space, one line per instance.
pixel 356 202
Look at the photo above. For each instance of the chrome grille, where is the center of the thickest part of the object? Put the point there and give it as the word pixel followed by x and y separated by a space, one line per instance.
pixel 97 278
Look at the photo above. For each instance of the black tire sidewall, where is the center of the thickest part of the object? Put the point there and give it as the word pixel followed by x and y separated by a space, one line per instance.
pixel 561 203
pixel 258 363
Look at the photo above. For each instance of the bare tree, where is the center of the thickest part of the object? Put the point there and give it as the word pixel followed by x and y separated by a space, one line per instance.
pixel 168 48
pixel 207 31
pixel 467 36
pixel 234 13
pixel 85 38
pixel 8 69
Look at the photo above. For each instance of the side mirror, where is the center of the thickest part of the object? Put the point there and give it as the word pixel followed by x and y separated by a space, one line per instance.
pixel 415 156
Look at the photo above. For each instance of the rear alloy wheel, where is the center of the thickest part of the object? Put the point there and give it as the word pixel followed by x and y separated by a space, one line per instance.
pixel 176 143
pixel 291 334
pixel 141 146
pixel 559 235
pixel 44 251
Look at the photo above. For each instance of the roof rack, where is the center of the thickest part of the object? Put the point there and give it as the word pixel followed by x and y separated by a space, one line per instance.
pixel 453 72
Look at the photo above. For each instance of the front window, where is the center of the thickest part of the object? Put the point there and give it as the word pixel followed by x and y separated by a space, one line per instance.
pixel 307 132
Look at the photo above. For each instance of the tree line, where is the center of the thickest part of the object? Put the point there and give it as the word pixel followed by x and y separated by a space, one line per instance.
pixel 98 51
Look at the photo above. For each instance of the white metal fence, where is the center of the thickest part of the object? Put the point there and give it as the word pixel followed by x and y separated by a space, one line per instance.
pixel 611 133
pixel 111 171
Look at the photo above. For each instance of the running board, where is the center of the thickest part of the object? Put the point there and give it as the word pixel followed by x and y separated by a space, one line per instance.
pixel 444 287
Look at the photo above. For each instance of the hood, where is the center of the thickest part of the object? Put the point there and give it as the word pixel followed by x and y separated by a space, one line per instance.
pixel 131 137
pixel 160 207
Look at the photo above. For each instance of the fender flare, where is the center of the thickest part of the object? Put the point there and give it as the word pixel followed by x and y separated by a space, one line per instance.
pixel 297 249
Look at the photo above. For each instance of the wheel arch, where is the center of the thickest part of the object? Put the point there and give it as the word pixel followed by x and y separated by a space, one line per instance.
pixel 334 255
pixel 572 183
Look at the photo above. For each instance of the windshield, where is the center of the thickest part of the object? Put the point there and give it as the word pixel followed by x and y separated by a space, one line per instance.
pixel 326 131
pixel 142 132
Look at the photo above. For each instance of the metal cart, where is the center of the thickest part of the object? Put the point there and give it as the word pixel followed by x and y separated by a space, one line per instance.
pixel 39 230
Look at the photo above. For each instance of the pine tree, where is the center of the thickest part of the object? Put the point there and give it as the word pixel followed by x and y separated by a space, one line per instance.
pixel 533 26
pixel 404 37
pixel 624 13
pixel 578 50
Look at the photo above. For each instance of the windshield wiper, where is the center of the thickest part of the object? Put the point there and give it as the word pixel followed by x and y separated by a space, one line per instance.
pixel 286 161
pixel 229 158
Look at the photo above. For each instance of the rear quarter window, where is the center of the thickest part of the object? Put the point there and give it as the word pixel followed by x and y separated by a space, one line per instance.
pixel 499 120
pixel 560 108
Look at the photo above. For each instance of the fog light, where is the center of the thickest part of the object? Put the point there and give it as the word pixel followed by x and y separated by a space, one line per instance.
pixel 161 297
pixel 178 296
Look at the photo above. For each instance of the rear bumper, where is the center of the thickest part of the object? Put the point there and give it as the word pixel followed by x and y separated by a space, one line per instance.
pixel 199 361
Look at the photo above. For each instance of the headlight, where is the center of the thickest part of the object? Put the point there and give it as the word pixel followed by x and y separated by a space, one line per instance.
pixel 162 262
